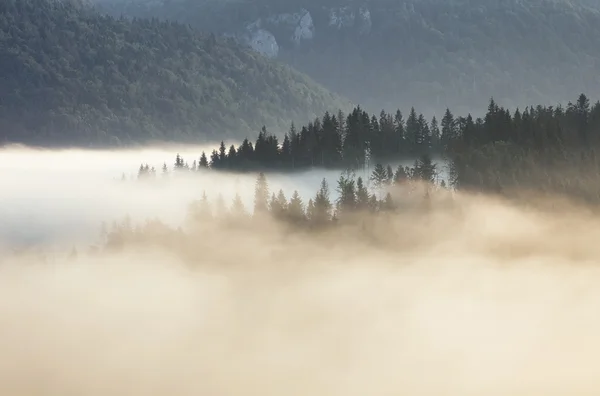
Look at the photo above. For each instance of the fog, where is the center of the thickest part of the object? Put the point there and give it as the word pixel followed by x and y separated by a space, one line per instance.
pixel 58 195
pixel 488 299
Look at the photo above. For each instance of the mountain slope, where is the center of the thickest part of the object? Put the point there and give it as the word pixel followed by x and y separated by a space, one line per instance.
pixel 70 76
pixel 427 53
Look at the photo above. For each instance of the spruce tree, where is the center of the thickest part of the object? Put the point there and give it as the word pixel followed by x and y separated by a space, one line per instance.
pixel 346 189
pixel 389 175
pixel 310 210
pixel 222 153
pixel 322 204
pixel 203 163
pixel 435 135
pixel 425 169
pixel 237 207
pixel 413 132
pixel 261 195
pixel 362 195
pixel 379 177
pixel 296 208
pixel 448 133
pixel 220 207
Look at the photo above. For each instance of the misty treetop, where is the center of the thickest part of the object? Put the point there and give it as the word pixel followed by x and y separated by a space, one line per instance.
pixel 499 152
pixel 71 76
pixel 408 189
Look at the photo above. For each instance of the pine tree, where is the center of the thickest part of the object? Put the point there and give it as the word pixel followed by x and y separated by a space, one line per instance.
pixel 178 162
pixel 389 172
pixel 425 169
pixel 231 157
pixel 296 208
pixel 261 195
pixel 222 153
pixel 310 210
pixel 346 189
pixel 322 204
pixel 237 207
pixel 215 160
pixel 448 133
pixel 424 135
pixel 379 177
pixel 400 133
pixel 413 132
pixel 435 135
pixel 286 151
pixel 362 195
pixel 400 176
pixel 388 203
pixel 203 161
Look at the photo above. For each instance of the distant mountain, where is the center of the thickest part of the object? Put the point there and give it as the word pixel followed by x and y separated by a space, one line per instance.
pixel 427 53
pixel 70 76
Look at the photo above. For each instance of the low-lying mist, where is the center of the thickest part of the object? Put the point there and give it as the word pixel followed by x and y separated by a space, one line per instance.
pixel 481 298
pixel 49 196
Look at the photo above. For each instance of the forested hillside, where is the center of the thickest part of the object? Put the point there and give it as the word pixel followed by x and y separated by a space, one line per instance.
pixel 70 76
pixel 431 54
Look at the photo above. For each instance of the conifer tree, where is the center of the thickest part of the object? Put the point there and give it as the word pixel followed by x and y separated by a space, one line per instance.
pixel 400 133
pixel 346 189
pixel 424 135
pixel 322 204
pixel 310 210
pixel 220 207
pixel 203 163
pixel 413 132
pixel 401 175
pixel 261 195
pixel 448 133
pixel 435 135
pixel 389 172
pixel 278 205
pixel 237 207
pixel 379 177
pixel 222 153
pixel 388 203
pixel 362 195
pixel 215 160
pixel 231 157
pixel 296 208
pixel 425 169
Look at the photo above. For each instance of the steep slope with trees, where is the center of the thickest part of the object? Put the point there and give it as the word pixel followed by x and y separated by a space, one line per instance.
pixel 71 76
pixel 431 54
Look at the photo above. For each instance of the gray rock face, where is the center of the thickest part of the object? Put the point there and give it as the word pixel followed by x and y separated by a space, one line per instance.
pixel 347 17
pixel 300 27
pixel 263 42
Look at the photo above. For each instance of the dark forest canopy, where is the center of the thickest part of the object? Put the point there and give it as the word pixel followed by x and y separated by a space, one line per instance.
pixel 73 77
pixel 430 54
pixel 530 148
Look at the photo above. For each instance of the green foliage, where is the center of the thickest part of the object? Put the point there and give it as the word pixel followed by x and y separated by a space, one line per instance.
pixel 71 76
pixel 426 53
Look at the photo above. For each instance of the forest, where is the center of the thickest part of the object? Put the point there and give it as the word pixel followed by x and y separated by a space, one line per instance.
pixel 490 152
pixel 542 150
pixel 74 77
pixel 430 54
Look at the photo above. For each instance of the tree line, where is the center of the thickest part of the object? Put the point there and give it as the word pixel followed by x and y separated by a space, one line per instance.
pixel 358 139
